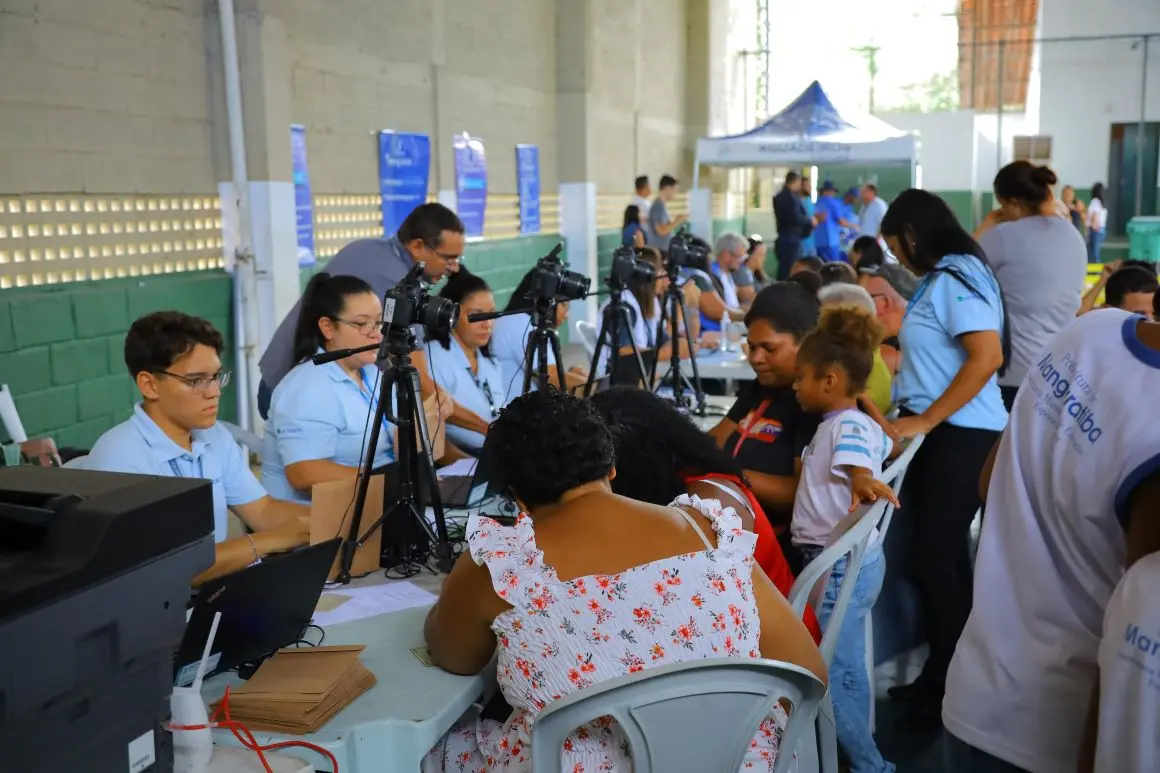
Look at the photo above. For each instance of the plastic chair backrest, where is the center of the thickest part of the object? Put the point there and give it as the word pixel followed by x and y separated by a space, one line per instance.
pixel 244 437
pixel 697 715
pixel 895 474
pixel 852 543
pixel 588 334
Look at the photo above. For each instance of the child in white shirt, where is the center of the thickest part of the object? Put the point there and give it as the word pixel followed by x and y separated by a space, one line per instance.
pixel 841 471
pixel 1128 737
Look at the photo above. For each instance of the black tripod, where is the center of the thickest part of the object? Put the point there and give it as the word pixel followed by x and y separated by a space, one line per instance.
pixel 673 312
pixel 543 336
pixel 406 532
pixel 615 319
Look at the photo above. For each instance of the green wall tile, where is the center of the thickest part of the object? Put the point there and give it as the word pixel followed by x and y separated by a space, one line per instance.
pixel 115 352
pixel 100 312
pixel 48 409
pixel 26 370
pixel 74 361
pixel 735 224
pixel 104 396
pixel 83 435
pixel 42 319
pixel 7 334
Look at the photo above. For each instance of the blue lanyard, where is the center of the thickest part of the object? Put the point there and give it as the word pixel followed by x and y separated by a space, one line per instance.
pixel 173 465
pixel 371 401
pixel 484 389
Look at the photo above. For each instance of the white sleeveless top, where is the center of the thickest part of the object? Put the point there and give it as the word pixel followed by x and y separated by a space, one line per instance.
pixel 1052 544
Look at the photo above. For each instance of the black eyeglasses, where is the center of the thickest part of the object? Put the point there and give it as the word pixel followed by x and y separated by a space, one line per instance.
pixel 200 383
pixel 485 389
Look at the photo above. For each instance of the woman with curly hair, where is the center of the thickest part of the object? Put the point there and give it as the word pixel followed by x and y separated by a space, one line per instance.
pixel 588 586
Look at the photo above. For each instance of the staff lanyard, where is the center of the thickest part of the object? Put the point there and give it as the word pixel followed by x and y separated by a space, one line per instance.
pixel 484 389
pixel 747 430
pixel 371 401
pixel 173 465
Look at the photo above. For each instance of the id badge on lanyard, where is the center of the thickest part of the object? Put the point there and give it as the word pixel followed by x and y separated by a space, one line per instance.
pixel 747 430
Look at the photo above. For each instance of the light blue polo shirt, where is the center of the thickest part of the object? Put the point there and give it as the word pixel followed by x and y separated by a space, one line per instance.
pixel 319 412
pixel 483 392
pixel 509 340
pixel 941 310
pixel 140 446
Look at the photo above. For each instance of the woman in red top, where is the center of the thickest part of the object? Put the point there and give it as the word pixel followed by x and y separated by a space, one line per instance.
pixel 660 455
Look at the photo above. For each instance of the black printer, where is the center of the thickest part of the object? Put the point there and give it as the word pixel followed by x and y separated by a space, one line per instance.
pixel 94 578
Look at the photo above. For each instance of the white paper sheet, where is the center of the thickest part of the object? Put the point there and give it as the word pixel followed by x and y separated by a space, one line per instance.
pixel 462 468
pixel 374 600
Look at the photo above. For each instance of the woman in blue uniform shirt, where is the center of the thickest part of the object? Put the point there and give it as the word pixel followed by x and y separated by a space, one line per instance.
pixel 461 360
pixel 509 341
pixel 320 414
pixel 954 340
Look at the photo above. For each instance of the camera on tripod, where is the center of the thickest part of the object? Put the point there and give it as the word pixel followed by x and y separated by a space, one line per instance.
pixel 628 268
pixel 686 251
pixel 410 303
pixel 552 281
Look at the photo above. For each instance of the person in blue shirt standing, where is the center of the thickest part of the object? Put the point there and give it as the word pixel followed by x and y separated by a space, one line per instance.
pixel 809 244
pixel 832 213
pixel 461 361
pixel 319 414
pixel 955 341
pixel 174 432
pixel 849 232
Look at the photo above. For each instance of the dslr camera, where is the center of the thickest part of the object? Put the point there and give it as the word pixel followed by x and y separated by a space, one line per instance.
pixel 686 251
pixel 628 268
pixel 552 281
pixel 410 303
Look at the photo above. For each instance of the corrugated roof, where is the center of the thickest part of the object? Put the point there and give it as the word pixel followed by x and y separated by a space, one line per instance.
pixel 995 50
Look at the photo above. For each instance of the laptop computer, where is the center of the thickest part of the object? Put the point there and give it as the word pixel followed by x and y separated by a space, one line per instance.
pixel 264 607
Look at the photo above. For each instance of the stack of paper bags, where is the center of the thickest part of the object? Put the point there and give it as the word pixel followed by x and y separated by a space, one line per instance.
pixel 299 690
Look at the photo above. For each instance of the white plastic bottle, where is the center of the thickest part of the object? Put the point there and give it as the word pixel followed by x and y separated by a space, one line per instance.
pixel 725 332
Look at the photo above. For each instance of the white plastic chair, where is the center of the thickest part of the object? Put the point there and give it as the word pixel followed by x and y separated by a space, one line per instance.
pixel 895 474
pixel 588 333
pixel 699 715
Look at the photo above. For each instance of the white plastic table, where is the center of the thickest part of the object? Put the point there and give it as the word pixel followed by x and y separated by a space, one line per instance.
pixel 728 366
pixel 389 728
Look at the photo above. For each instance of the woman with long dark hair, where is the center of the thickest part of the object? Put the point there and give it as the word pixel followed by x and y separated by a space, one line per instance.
pixel 954 343
pixel 1039 260
pixel 316 428
pixel 632 233
pixel 1097 223
pixel 461 360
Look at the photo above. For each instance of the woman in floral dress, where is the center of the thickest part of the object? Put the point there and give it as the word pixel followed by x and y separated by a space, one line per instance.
pixel 588 586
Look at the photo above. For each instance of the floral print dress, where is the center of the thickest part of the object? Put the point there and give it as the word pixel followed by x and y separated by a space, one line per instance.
pixel 561 637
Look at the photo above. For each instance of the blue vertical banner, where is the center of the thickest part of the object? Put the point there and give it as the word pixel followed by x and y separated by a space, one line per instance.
pixel 303 198
pixel 528 181
pixel 470 182
pixel 404 169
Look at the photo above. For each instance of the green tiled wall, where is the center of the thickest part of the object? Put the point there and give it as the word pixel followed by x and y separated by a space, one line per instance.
pixel 61 347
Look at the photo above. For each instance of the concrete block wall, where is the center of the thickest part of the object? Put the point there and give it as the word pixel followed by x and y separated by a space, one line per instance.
pixel 105 97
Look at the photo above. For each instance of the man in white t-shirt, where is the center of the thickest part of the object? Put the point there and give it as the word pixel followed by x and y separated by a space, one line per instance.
pixel 643 191
pixel 1128 704
pixel 1077 467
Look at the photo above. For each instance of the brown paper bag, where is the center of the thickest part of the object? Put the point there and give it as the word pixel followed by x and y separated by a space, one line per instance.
pixel 331 512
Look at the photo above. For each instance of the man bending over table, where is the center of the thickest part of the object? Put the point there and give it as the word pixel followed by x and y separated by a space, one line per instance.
pixel 175 360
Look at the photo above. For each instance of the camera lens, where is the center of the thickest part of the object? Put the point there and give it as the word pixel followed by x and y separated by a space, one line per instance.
pixel 573 286
pixel 437 314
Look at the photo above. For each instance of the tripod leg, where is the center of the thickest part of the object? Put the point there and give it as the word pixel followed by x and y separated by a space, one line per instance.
pixel 601 343
pixel 698 391
pixel 624 319
pixel 554 341
pixel 530 360
pixel 425 464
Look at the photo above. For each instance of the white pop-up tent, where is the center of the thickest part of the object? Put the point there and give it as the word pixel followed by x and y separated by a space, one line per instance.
pixel 809 131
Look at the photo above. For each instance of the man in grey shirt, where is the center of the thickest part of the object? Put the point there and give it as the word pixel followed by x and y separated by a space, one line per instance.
pixel 431 234
pixel 660 225
pixel 1041 263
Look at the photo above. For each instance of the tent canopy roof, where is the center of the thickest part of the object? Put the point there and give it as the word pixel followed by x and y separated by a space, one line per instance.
pixel 811 130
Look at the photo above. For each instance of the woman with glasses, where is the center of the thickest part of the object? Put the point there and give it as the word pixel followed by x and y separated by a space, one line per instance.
pixel 320 414
pixel 461 360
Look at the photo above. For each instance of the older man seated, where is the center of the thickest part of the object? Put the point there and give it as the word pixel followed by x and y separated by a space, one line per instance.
pixel 891 287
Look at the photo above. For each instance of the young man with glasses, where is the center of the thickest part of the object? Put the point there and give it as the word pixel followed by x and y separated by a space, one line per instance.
pixel 432 235
pixel 175 361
